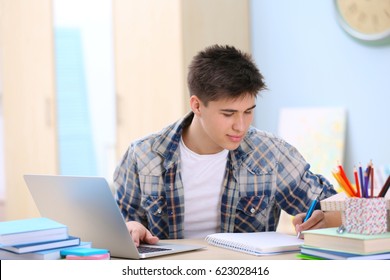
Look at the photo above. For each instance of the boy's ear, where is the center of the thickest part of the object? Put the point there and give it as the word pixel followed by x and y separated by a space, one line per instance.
pixel 195 104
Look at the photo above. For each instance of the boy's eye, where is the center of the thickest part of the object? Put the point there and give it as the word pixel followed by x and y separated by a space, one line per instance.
pixel 227 114
pixel 248 112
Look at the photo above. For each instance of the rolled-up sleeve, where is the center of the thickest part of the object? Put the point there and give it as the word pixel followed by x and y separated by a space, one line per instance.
pixel 296 184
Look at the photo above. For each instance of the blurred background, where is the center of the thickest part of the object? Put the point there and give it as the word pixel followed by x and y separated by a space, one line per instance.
pixel 80 80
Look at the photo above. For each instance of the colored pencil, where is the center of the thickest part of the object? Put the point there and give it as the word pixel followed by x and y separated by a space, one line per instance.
pixel 339 179
pixel 385 188
pixel 347 182
pixel 366 180
pixel 372 181
pixel 355 173
pixel 361 180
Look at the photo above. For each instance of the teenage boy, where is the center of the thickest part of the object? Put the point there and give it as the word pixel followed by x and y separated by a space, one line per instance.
pixel 212 171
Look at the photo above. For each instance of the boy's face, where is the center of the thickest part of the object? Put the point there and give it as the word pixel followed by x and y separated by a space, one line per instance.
pixel 225 122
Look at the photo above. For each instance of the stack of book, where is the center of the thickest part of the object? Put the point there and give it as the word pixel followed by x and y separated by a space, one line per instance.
pixel 36 238
pixel 328 243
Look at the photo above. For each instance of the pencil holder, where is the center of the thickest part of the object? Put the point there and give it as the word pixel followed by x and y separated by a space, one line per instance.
pixel 366 215
pixel 360 215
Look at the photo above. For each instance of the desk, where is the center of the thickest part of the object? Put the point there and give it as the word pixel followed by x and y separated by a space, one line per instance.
pixel 216 253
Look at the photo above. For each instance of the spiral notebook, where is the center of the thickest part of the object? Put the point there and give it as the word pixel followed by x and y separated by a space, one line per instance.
pixel 256 243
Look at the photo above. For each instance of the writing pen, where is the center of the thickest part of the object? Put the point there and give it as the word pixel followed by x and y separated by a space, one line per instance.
pixel 311 210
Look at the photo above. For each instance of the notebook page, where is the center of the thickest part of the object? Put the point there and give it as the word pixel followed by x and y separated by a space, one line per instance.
pixel 256 243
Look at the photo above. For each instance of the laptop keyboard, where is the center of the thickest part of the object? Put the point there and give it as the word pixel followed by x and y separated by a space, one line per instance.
pixel 145 249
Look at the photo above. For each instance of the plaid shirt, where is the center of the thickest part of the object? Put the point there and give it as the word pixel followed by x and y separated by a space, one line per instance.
pixel 263 175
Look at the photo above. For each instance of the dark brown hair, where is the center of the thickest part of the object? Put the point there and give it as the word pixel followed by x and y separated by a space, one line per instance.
pixel 220 72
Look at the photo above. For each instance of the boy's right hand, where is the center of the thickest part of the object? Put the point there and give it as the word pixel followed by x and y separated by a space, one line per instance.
pixel 140 234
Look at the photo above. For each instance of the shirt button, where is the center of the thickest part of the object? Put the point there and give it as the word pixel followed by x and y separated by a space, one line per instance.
pixel 253 210
pixel 159 211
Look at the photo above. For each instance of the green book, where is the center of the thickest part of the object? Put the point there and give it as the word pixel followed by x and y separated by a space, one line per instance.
pixel 308 257
pixel 329 239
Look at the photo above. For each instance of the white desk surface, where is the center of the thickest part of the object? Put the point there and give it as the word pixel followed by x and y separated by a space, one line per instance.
pixel 216 253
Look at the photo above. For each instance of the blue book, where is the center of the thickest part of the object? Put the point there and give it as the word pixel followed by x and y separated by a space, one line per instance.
pixel 31 230
pixel 39 246
pixel 52 254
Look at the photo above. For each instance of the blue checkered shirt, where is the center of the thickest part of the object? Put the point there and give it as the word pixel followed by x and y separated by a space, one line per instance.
pixel 263 175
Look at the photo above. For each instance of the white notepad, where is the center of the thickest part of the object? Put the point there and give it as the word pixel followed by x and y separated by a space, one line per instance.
pixel 256 243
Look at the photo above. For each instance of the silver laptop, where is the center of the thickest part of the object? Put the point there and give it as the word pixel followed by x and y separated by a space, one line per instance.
pixel 86 205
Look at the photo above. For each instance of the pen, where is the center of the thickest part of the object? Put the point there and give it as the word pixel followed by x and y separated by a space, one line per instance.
pixel 311 210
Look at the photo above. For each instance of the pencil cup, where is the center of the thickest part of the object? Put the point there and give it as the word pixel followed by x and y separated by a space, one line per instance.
pixel 366 215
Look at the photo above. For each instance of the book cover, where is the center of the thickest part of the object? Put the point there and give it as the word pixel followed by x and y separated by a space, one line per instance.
pixel 328 238
pixel 86 254
pixel 51 254
pixel 39 246
pixel 105 256
pixel 83 251
pixel 31 230
pixel 256 243
pixel 308 257
pixel 336 255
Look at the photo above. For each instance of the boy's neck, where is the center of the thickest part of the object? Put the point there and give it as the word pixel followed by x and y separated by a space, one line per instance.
pixel 197 140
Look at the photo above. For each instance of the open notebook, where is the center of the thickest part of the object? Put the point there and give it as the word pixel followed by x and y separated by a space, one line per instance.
pixel 256 243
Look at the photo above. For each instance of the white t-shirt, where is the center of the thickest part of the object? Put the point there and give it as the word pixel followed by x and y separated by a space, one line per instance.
pixel 202 177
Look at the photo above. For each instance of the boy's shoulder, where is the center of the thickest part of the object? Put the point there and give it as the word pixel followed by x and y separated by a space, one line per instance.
pixel 167 135
pixel 256 135
pixel 160 141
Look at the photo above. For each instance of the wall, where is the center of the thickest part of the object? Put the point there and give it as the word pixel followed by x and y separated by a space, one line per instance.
pixel 308 60
pixel 30 142
pixel 2 168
